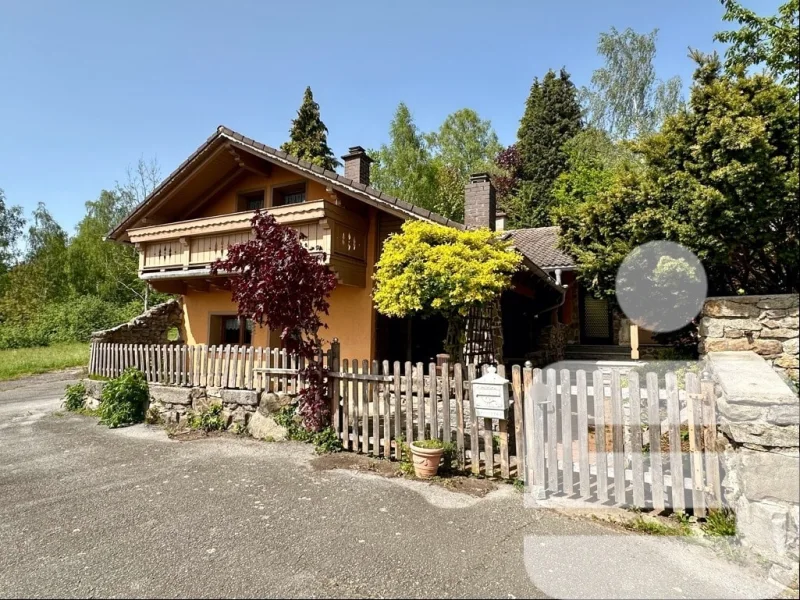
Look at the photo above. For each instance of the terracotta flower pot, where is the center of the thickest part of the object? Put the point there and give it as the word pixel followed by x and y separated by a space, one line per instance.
pixel 426 460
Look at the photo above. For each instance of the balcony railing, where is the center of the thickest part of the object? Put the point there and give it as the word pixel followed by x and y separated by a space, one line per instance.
pixel 184 247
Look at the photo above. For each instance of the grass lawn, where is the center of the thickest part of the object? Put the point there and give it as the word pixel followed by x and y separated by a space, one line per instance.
pixel 29 361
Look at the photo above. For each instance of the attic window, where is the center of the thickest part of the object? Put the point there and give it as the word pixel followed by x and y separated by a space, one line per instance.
pixel 251 200
pixel 294 193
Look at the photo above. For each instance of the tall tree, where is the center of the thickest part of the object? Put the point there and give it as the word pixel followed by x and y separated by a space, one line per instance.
pixel 141 180
pixel 464 144
pixel 47 256
pixel 308 137
pixel 507 173
pixel 772 41
pixel 626 99
pixel 403 167
pixel 11 223
pixel 552 117
pixel 721 178
pixel 593 159
pixel 100 268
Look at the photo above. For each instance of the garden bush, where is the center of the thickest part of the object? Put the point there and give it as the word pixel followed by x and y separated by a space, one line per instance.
pixel 73 320
pixel 75 397
pixel 208 419
pixel 124 400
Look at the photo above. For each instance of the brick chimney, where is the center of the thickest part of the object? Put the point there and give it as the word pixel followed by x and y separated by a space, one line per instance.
pixel 480 204
pixel 356 165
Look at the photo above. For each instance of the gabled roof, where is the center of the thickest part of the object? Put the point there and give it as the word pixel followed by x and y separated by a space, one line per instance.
pixel 336 181
pixel 540 245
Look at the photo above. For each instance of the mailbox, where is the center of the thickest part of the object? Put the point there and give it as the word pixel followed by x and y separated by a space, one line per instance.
pixel 490 395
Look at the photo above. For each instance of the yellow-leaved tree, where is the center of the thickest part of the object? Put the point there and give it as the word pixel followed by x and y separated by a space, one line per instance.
pixel 431 269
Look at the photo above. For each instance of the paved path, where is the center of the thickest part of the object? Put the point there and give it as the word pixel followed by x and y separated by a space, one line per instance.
pixel 87 511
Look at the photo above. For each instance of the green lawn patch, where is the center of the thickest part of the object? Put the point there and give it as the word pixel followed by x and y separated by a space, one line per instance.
pixel 30 361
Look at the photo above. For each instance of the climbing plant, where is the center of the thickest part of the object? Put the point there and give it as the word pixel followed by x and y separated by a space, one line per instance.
pixel 278 283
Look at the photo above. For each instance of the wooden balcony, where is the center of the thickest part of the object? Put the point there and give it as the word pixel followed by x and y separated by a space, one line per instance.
pixel 185 250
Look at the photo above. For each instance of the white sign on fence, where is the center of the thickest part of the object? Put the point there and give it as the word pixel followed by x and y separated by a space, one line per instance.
pixel 490 394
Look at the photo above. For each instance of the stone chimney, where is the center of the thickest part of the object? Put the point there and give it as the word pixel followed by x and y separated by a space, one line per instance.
pixel 356 165
pixel 480 204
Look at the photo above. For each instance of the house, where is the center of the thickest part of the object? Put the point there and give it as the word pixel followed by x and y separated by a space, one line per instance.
pixel 207 204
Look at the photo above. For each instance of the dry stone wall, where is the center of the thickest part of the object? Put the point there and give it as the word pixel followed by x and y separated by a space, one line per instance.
pixel 766 325
pixel 151 327
pixel 238 406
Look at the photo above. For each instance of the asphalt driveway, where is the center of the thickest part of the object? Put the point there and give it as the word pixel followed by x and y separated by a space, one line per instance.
pixel 87 511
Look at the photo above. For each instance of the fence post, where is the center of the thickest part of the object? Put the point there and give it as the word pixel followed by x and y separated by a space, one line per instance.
pixel 710 439
pixel 333 384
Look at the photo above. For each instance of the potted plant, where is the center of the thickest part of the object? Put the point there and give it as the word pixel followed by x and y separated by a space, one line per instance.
pixel 426 456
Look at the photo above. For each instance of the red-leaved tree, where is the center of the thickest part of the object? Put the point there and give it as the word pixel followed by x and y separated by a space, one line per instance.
pixel 277 282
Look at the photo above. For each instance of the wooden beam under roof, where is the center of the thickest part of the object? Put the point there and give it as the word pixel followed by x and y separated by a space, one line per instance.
pixel 168 286
pixel 229 178
pixel 250 162
pixel 177 186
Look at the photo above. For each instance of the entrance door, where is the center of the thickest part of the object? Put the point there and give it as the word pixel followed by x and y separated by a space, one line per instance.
pixel 595 320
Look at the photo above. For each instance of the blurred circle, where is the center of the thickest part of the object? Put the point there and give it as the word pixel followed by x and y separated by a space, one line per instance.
pixel 661 286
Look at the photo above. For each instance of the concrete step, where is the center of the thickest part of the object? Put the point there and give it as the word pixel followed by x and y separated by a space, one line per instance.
pixel 605 352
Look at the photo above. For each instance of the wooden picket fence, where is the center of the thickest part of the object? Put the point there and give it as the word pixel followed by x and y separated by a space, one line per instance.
pixel 570 439
pixel 568 433
pixel 627 445
pixel 374 404
pixel 232 367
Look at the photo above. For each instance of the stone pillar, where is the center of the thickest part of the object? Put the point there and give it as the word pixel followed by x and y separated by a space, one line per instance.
pixel 759 418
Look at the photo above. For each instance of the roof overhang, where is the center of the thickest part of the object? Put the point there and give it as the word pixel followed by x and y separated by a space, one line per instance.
pixel 242 149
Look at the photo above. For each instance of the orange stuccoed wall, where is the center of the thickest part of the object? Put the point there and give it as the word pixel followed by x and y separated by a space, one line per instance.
pixel 351 318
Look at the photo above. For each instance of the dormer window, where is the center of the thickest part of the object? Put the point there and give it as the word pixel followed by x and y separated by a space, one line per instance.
pixel 294 193
pixel 251 200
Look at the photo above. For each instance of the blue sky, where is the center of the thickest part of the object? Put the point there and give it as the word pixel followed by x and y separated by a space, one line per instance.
pixel 87 87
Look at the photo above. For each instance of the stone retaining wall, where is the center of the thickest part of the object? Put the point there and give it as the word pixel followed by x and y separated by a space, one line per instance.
pixel 759 419
pixel 151 327
pixel 767 325
pixel 244 408
pixel 249 409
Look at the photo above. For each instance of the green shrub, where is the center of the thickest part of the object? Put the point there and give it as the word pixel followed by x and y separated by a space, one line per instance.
pixel 75 397
pixel 72 320
pixel 327 441
pixel 124 399
pixel 448 458
pixel 288 418
pixel 429 444
pixel 239 428
pixel 406 461
pixel 14 336
pixel 208 419
pixel 657 527
pixel 153 416
pixel 720 522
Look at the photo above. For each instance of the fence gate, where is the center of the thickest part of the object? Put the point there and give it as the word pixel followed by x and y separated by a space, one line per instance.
pixel 624 440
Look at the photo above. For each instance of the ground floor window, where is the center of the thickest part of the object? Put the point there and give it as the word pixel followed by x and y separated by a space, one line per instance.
pixel 230 329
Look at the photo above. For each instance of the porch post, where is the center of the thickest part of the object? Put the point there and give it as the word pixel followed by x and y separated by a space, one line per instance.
pixel 634 341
